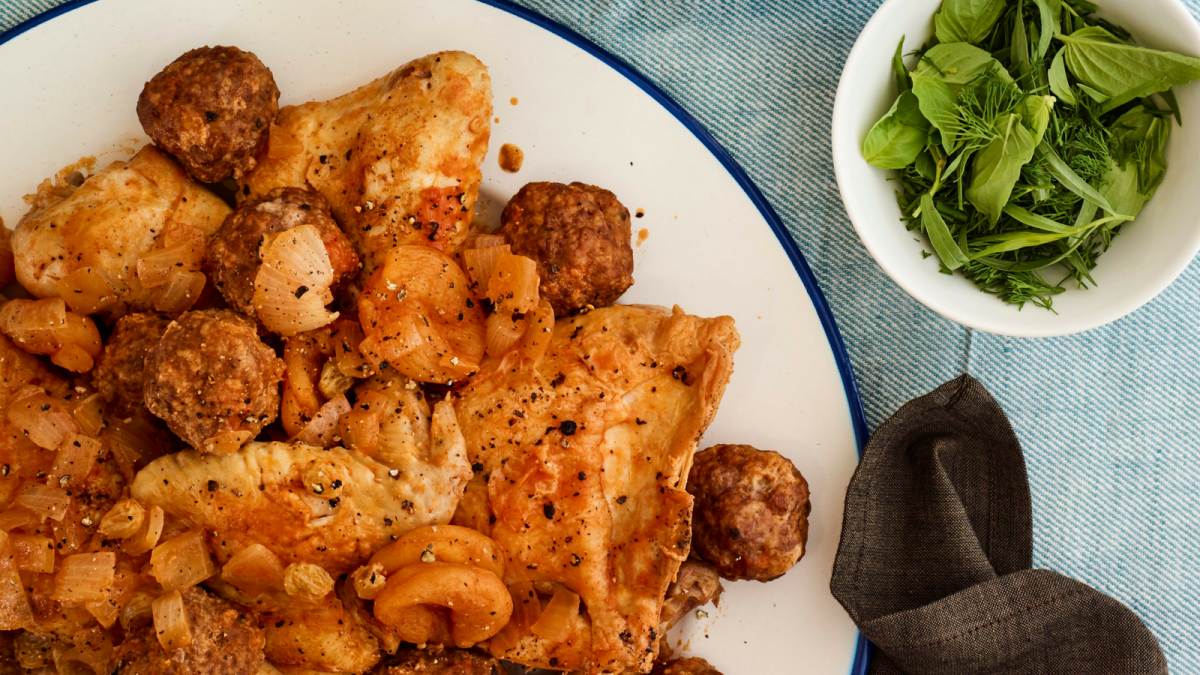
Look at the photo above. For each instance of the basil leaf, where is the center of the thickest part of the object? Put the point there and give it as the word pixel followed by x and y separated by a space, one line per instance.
pixel 898 69
pixel 938 103
pixel 1067 177
pixel 1119 185
pixel 1098 59
pixel 1037 115
pixel 998 166
pixel 1048 11
pixel 896 140
pixel 941 74
pixel 943 242
pixel 1142 136
pixel 1019 56
pixel 1059 84
pixel 926 166
pixel 1139 92
pixel 1096 96
pixel 967 20
pixel 1169 97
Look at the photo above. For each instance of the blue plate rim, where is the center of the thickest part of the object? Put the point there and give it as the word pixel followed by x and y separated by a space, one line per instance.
pixel 858 420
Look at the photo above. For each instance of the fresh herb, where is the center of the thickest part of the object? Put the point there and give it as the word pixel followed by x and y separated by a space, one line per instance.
pixel 1027 135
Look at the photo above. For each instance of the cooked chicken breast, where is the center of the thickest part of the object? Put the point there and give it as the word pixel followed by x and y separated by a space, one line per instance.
pixel 321 638
pixel 398 159
pixel 107 224
pixel 334 507
pixel 580 467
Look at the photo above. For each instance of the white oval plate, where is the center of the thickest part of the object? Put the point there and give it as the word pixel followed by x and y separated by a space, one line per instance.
pixel 714 246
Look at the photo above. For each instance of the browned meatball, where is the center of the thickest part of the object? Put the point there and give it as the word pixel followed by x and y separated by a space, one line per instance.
pixel 118 373
pixel 750 517
pixel 224 642
pixel 436 661
pixel 211 108
pixel 211 377
pixel 579 235
pixel 688 666
pixel 233 252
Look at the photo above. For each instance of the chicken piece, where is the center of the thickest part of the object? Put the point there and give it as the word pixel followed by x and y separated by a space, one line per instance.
pixel 332 508
pixel 580 462
pixel 224 642
pixel 118 374
pixel 321 637
pixel 398 159
pixel 104 226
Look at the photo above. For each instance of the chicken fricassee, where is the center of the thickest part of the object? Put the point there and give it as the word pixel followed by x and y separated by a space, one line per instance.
pixel 336 427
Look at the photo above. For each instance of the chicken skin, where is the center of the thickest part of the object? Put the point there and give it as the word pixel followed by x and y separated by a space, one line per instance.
pixel 398 159
pixel 580 462
pixel 103 227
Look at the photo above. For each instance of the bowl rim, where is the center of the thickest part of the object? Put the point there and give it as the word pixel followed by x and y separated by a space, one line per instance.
pixel 841 135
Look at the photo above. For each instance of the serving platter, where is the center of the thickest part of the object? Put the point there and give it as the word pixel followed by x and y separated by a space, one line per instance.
pixel 706 239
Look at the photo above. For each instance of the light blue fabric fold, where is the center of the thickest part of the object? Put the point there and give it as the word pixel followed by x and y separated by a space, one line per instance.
pixel 1110 420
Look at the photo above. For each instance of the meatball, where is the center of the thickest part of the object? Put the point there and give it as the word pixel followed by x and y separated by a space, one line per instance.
pixel 211 108
pixel 750 516
pixel 696 584
pixel 689 666
pixel 233 252
pixel 579 235
pixel 212 380
pixel 224 642
pixel 436 661
pixel 118 374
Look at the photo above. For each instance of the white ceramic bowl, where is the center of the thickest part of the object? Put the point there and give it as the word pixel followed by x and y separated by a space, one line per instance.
pixel 1147 256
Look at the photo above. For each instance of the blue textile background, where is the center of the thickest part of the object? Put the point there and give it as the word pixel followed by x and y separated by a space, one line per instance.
pixel 1110 420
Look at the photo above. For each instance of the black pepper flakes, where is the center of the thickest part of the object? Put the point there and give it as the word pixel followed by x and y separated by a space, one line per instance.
pixel 733 533
pixel 210 116
pixel 568 428
pixel 548 509
pixel 621 499
pixel 301 291
pixel 213 485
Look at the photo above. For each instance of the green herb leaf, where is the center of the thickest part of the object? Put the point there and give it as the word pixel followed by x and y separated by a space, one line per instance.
pixel 941 74
pixel 943 242
pixel 967 20
pixel 1048 11
pixel 998 166
pixel 1037 222
pixel 898 69
pixel 1067 177
pixel 1120 187
pixel 896 140
pixel 1037 115
pixel 1141 136
pixel 1059 84
pixel 1100 60
pixel 1169 97
pixel 1019 52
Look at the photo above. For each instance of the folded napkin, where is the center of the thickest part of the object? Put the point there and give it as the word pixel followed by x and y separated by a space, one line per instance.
pixel 937 544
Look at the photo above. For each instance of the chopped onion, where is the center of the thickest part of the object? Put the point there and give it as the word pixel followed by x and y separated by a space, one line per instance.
pixel 347 337
pixel 47 501
pixel 526 610
pixel 490 240
pixel 106 611
pixel 171 622
pixel 322 429
pixel 76 456
pixel 281 144
pixel 86 291
pixel 481 262
pixel 182 561
pixel 180 292
pixel 15 611
pixel 228 442
pixel 333 382
pixel 31 315
pixel 291 288
pixel 43 420
pixel 69 533
pixel 132 442
pixel 146 538
pixel 123 520
pixel 85 577
pixel 32 553
pixel 539 330
pixel 89 414
pixel 360 427
pixel 46 327
pixel 503 333
pixel 254 570
pixel 11 519
pixel 155 268
pixel 513 286
pixel 137 612
pixel 93 650
pixel 557 620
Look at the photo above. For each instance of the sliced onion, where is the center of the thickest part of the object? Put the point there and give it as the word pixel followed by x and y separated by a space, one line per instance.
pixel 18 516
pixel 360 427
pixel 43 420
pixel 89 414
pixel 347 337
pixel 526 609
pixel 132 442
pixel 181 290
pixel 45 327
pixel 254 570
pixel 490 240
pixel 557 620
pixel 171 622
pixel 76 456
pixel 32 553
pixel 45 500
pixel 155 268
pixel 93 650
pixel 31 315
pixel 146 538
pixel 85 577
pixel 137 612
pixel 86 291
pixel 322 429
pixel 539 331
pixel 481 262
pixel 291 288
pixel 503 333
pixel 182 561
pixel 513 286
pixel 15 611
pixel 123 520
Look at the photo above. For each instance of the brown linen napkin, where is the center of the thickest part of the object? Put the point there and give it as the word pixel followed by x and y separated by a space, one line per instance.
pixel 937 544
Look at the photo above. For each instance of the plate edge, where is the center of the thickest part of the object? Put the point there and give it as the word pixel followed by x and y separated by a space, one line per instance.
pixel 841 357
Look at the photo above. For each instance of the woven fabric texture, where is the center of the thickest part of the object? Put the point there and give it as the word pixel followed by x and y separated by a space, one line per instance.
pixel 1109 420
